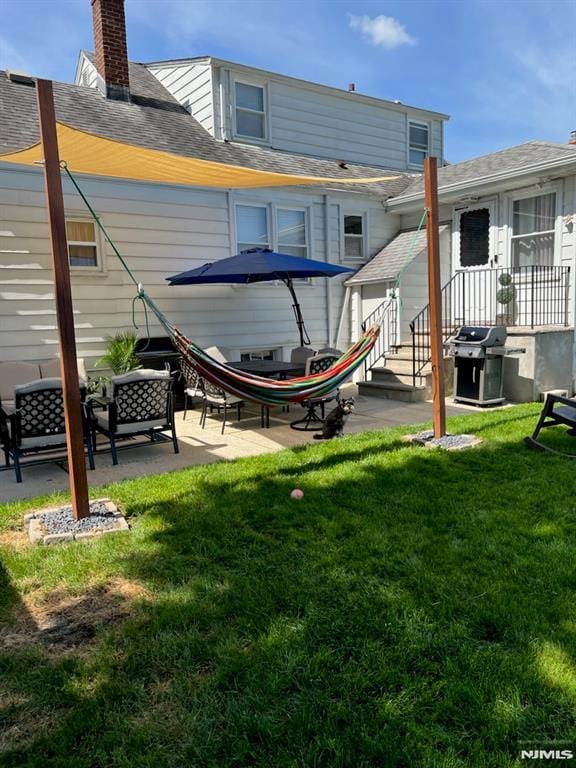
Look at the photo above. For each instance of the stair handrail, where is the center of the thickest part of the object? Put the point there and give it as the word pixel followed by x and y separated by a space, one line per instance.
pixel 386 316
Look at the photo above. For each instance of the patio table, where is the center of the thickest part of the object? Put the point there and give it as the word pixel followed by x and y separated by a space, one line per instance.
pixel 269 368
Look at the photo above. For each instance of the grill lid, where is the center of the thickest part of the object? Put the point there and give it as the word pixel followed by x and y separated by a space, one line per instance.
pixel 482 336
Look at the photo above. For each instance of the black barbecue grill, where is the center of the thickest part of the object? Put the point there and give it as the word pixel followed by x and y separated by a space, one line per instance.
pixel 159 353
pixel 478 364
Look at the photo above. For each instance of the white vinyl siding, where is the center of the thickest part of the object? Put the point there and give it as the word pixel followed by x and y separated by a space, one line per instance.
pixel 300 118
pixel 191 85
pixel 250 110
pixel 252 227
pixel 533 231
pixel 418 143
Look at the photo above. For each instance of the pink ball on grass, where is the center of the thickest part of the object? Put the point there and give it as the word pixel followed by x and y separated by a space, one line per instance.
pixel 297 493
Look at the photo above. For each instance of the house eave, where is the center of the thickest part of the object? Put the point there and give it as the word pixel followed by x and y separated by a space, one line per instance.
pixel 309 84
pixel 396 203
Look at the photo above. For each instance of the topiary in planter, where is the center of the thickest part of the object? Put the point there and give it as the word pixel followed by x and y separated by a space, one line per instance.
pixel 507 293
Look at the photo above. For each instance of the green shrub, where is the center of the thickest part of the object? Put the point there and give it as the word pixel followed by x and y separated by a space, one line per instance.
pixel 120 355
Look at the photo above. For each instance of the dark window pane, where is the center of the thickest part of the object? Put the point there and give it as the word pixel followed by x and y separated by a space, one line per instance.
pixel 82 255
pixel 474 238
pixel 419 136
pixel 353 225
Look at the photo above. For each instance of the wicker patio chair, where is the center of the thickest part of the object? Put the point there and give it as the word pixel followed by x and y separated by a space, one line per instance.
pixel 193 384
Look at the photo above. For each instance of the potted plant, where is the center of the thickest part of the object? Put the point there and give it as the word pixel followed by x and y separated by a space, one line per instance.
pixel 120 356
pixel 506 296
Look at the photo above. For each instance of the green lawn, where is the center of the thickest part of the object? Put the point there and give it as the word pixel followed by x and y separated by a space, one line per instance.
pixel 416 608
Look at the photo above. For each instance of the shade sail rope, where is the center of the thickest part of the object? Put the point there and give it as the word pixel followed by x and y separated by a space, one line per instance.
pixel 245 385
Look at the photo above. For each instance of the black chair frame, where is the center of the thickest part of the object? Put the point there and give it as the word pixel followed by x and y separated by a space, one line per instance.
pixel 38 414
pixel 125 409
pixel 552 416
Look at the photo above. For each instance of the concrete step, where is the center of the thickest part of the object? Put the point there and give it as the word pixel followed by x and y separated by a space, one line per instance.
pixel 394 391
pixel 392 363
pixel 389 376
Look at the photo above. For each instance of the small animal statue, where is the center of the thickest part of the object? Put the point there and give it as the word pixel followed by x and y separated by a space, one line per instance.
pixel 334 423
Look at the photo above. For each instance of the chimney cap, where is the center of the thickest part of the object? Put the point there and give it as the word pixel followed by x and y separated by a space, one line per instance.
pixel 572 137
pixel 351 87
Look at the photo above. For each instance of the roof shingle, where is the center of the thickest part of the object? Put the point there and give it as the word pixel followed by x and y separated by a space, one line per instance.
pixel 154 119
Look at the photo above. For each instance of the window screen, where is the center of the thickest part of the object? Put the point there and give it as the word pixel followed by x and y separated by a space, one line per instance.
pixel 475 238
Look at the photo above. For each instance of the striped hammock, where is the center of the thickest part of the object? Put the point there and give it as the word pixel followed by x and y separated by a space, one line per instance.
pixel 259 389
pixel 271 391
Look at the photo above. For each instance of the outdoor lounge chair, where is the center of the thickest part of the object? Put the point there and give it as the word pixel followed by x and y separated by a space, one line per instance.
pixel 214 397
pixel 312 420
pixel 557 411
pixel 140 403
pixel 35 422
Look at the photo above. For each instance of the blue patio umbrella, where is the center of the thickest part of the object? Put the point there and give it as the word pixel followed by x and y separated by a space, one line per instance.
pixel 258 265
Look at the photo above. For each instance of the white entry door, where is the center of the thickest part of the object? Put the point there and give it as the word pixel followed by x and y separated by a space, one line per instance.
pixel 473 263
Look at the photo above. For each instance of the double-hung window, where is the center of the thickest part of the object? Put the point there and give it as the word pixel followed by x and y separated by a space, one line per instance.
pixel 291 232
pixel 250 108
pixel 354 240
pixel 82 243
pixel 418 143
pixel 252 230
pixel 533 231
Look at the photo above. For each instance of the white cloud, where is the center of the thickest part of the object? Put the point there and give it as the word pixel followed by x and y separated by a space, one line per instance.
pixel 383 30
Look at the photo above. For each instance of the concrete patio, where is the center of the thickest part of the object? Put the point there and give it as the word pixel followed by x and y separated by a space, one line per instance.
pixel 205 446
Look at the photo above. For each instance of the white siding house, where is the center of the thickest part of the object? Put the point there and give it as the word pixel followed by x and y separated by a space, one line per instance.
pixel 293 115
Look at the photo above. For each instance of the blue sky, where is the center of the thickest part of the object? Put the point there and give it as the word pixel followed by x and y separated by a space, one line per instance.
pixel 505 70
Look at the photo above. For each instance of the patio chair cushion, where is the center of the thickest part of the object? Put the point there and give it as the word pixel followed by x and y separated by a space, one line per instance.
pixel 103 421
pixel 14 373
pixel 217 354
pixel 8 406
pixel 301 354
pixel 51 368
pixel 221 399
pixel 31 386
pixel 139 375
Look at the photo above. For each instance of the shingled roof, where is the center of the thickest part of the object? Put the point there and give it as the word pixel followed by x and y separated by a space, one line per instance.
pixel 505 161
pixel 154 119
pixel 392 259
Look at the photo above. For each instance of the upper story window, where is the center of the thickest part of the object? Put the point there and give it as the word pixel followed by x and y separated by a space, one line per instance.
pixel 291 232
pixel 533 230
pixel 418 143
pixel 252 229
pixel 82 243
pixel 354 240
pixel 250 107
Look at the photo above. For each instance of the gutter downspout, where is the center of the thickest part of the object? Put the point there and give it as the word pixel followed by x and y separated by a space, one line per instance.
pixel 327 280
pixel 342 315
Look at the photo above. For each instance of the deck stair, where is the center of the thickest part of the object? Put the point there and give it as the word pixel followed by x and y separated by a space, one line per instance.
pixel 392 378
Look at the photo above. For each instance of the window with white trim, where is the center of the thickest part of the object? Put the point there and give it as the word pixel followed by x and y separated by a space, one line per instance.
pixel 291 232
pixel 250 108
pixel 418 143
pixel 533 231
pixel 258 354
pixel 82 243
pixel 354 238
pixel 252 227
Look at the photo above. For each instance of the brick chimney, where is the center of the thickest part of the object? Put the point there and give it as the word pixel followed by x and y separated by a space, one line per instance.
pixel 111 49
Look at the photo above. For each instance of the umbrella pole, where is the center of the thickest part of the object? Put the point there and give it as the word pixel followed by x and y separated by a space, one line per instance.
pixel 304 338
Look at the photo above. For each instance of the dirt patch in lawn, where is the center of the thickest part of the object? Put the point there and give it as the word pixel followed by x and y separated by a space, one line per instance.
pixel 14 539
pixel 62 622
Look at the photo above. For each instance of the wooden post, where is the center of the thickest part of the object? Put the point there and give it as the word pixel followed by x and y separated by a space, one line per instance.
pixel 435 295
pixel 63 297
